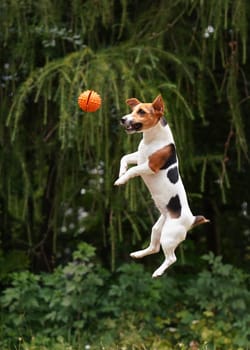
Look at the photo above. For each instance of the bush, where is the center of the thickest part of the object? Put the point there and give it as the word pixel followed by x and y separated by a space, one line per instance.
pixel 58 304
pixel 81 303
pixel 217 307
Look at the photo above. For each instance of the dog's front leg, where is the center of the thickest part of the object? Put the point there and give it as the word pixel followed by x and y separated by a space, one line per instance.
pixel 138 170
pixel 126 160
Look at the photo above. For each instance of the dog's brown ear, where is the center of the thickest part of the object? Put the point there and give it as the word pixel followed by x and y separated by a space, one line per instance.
pixel 132 102
pixel 158 104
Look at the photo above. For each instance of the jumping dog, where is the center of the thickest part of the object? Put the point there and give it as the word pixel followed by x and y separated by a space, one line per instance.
pixel 156 162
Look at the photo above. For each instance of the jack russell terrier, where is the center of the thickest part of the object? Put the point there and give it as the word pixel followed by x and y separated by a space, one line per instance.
pixel 157 164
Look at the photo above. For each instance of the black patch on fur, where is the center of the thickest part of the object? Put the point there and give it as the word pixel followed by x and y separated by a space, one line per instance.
pixel 173 175
pixel 174 206
pixel 172 159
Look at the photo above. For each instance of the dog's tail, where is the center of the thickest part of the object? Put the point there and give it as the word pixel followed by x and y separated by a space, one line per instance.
pixel 199 219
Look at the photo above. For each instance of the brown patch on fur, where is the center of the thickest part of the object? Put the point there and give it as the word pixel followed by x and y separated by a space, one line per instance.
pixel 158 159
pixel 199 219
pixel 132 102
pixel 158 104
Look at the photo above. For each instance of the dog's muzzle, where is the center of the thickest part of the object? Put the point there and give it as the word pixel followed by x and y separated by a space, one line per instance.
pixel 129 125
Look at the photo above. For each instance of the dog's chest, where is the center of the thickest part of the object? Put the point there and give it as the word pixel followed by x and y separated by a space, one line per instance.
pixel 146 150
pixel 153 141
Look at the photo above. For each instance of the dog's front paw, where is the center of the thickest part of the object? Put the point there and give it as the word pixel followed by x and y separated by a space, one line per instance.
pixel 117 183
pixel 122 171
pixel 120 181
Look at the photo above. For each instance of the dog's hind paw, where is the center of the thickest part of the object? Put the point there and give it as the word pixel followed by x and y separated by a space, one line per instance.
pixel 137 255
pixel 141 253
pixel 160 271
pixel 148 251
pixel 157 274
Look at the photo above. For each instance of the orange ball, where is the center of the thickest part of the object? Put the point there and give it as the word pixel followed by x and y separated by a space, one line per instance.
pixel 89 101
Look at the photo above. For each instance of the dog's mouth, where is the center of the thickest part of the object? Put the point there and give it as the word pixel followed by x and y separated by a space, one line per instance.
pixel 132 127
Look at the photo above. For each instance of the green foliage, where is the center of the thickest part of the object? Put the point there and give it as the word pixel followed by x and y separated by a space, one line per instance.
pixel 49 303
pixel 218 306
pixel 78 304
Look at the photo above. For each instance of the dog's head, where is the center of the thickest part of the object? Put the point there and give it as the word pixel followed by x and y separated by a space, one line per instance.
pixel 143 116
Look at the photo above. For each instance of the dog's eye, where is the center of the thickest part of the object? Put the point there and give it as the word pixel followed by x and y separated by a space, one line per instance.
pixel 141 112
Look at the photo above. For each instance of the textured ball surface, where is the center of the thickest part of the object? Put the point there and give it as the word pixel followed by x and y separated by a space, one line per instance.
pixel 89 101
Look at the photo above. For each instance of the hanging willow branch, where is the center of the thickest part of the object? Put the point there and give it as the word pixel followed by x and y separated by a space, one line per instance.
pixel 120 49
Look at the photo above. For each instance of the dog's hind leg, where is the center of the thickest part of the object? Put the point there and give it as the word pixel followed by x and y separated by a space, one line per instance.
pixel 154 245
pixel 173 234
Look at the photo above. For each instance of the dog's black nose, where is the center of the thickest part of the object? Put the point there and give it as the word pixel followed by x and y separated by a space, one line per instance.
pixel 123 120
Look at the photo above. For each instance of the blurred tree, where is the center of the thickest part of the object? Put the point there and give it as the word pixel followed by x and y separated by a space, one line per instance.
pixel 58 164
